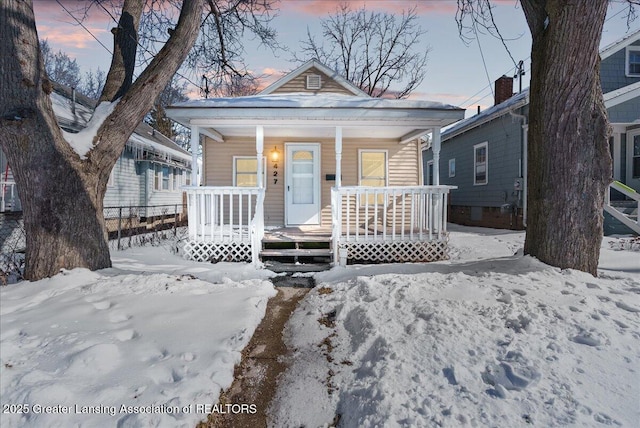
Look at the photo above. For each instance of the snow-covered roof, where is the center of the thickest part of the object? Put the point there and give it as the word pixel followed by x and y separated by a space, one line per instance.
pixel 621 95
pixel 319 66
pixel 306 100
pixel 305 115
pixel 487 115
pixel 76 116
pixel 614 47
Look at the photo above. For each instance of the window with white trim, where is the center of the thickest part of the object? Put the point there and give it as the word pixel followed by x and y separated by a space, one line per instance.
pixel 112 177
pixel 429 173
pixel 452 167
pixel 177 178
pixel 162 181
pixel 373 170
pixel 480 164
pixel 636 157
pixel 245 171
pixel 633 61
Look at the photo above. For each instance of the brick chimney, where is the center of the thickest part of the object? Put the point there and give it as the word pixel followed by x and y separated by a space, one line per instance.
pixel 503 89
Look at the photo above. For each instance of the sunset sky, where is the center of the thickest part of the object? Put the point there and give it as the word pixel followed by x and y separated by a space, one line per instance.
pixel 455 72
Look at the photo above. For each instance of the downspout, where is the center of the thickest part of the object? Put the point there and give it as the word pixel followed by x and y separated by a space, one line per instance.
pixel 524 160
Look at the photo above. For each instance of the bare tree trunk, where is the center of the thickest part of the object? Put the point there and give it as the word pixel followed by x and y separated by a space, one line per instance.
pixel 62 193
pixel 569 161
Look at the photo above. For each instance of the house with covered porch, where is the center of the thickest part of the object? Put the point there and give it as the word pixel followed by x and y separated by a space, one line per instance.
pixel 314 156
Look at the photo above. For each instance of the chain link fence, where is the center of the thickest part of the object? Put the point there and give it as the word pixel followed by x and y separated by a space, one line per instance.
pixel 127 226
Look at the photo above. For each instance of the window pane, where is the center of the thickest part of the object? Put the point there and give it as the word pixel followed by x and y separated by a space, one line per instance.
pixel 373 169
pixel 302 189
pixel 165 177
pixel 246 165
pixel 634 62
pixel 246 172
pixel 636 145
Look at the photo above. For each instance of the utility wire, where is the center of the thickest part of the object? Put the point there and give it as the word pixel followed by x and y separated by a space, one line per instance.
pixel 508 71
pixel 83 26
pixel 109 50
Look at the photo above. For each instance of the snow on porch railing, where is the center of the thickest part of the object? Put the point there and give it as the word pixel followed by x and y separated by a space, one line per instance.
pixel 226 215
pixel 388 214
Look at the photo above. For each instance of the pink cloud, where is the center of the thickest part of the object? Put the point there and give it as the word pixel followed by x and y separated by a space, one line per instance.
pixel 324 7
pixel 58 26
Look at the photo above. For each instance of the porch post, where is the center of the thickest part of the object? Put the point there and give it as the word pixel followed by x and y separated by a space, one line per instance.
pixel 259 150
pixel 338 156
pixel 195 142
pixel 436 155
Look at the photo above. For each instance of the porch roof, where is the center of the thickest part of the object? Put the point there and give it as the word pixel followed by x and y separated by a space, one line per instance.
pixel 315 115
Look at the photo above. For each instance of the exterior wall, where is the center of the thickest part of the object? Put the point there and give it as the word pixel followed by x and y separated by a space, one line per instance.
pixel 484 205
pixel 299 84
pixel 626 112
pixel 128 183
pixel 218 168
pixel 159 197
pixel 612 71
pixel 633 182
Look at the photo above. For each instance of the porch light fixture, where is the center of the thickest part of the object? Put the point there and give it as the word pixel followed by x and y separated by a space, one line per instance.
pixel 275 154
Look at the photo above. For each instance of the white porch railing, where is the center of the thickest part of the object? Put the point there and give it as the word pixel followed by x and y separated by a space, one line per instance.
pixel 623 218
pixel 225 223
pixel 399 220
pixel 8 196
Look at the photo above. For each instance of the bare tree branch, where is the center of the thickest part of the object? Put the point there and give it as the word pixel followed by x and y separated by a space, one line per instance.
pixel 372 50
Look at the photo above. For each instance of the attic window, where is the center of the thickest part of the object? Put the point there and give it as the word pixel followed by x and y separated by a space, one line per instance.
pixel 313 81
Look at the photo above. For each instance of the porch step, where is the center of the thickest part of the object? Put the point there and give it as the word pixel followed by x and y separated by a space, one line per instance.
pixel 293 252
pixel 296 251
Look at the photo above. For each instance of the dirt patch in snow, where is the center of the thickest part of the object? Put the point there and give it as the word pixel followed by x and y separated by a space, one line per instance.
pixel 255 377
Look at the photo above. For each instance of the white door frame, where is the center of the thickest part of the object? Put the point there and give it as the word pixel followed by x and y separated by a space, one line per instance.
pixel 314 216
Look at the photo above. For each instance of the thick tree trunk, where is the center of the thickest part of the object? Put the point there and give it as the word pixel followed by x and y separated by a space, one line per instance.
pixel 61 192
pixel 569 161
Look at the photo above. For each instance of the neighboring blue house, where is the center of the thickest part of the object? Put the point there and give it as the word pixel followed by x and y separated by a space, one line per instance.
pixel 485 155
pixel 151 170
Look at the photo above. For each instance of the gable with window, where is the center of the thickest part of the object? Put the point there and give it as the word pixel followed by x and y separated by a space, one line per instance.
pixel 480 164
pixel 633 61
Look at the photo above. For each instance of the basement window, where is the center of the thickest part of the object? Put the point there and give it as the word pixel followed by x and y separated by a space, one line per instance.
pixel 313 81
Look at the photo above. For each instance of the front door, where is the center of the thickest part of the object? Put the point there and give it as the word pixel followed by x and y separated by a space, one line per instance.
pixel 302 192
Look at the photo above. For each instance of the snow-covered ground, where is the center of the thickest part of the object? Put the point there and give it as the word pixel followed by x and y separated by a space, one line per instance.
pixel 156 334
pixel 489 338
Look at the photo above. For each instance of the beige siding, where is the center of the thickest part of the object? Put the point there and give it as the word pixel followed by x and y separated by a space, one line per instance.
pixel 299 84
pixel 218 169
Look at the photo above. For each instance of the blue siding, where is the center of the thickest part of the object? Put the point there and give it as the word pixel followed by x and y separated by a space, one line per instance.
pixel 626 112
pixel 612 71
pixel 127 183
pixel 504 137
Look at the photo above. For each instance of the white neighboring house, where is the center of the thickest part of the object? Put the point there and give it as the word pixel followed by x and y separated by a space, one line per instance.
pixel 150 172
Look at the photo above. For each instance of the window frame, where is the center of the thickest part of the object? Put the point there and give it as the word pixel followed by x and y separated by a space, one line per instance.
pixel 370 199
pixel 430 173
pixel 111 183
pixel 627 61
pixel 452 170
pixel 635 172
pixel 476 147
pixel 234 175
pixel 386 165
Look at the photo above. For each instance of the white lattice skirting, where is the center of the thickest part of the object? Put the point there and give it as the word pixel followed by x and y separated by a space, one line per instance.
pixel 218 252
pixel 396 252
